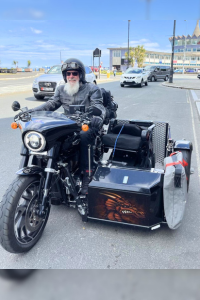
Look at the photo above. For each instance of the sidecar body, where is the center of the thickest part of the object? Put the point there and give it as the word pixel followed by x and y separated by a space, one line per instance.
pixel 130 187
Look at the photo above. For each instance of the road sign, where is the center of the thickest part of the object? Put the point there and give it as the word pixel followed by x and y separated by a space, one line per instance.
pixel 97 52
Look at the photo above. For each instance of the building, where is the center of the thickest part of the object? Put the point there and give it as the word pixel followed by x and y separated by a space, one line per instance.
pixel 186 53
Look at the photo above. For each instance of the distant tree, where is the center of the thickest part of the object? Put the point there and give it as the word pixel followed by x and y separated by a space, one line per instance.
pixel 131 56
pixel 28 63
pixel 15 63
pixel 137 53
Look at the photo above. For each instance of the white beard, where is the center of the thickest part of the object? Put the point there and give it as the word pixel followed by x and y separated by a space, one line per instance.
pixel 71 89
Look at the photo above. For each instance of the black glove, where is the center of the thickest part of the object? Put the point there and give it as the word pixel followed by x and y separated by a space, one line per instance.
pixel 96 124
pixel 94 111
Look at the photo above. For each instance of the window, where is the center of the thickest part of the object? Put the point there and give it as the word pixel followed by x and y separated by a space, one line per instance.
pixel 194 49
pixel 147 55
pixel 151 55
pixel 193 58
pixel 198 49
pixel 163 68
pixel 157 56
pixel 180 42
pixel 179 57
pixel 117 53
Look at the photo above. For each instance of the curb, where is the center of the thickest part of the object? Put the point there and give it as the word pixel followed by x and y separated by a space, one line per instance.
pixel 180 87
pixel 19 77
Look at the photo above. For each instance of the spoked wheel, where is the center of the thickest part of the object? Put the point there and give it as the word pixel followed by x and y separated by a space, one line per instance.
pixel 20 225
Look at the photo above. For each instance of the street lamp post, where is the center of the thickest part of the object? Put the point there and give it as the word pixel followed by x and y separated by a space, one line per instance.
pixel 128 41
pixel 184 49
pixel 172 58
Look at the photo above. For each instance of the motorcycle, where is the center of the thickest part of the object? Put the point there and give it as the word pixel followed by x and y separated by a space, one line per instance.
pixel 129 187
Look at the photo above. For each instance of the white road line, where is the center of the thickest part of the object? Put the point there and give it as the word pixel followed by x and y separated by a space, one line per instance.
pixel 14 89
pixel 194 133
pixel 130 105
pixel 194 95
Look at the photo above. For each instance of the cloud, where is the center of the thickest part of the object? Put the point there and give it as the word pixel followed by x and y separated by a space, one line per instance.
pixel 36 14
pixel 36 31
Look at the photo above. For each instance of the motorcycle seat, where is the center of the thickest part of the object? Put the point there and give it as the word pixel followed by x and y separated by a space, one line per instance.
pixel 129 138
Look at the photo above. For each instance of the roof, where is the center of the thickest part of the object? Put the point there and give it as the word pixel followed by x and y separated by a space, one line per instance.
pixel 197 30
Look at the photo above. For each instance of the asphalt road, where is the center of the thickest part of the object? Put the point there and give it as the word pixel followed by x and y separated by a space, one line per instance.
pixel 67 242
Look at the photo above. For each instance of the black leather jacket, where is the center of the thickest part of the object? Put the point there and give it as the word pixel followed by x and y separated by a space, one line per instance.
pixel 88 95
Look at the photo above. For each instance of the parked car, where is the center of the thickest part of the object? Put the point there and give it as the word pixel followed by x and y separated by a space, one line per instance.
pixel 198 76
pixel 178 71
pixel 190 71
pixel 45 85
pixel 157 72
pixel 134 76
pixel 96 69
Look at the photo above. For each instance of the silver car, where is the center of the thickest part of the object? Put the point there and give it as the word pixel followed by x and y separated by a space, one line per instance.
pixel 45 85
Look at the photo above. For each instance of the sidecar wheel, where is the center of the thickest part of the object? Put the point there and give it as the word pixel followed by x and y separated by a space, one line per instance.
pixel 20 226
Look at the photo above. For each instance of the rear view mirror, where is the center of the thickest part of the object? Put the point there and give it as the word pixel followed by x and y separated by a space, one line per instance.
pixel 15 106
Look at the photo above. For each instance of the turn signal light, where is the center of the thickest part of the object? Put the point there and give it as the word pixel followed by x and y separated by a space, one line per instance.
pixel 14 125
pixel 85 127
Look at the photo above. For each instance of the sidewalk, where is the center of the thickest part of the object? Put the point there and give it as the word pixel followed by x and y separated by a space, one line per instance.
pixel 184 82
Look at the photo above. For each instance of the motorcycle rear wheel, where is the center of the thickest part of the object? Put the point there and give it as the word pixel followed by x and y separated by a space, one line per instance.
pixel 20 226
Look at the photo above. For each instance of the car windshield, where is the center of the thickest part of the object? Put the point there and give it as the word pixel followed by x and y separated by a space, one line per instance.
pixel 133 71
pixel 55 70
pixel 149 68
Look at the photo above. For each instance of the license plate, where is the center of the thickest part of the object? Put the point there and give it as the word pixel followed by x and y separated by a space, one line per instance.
pixel 46 89
pixel 129 80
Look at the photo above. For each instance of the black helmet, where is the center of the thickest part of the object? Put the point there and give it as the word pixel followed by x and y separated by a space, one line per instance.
pixel 73 64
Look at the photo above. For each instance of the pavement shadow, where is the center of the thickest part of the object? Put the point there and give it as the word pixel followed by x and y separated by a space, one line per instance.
pixel 35 100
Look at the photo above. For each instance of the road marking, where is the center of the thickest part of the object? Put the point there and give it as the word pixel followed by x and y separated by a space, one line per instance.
pixel 15 89
pixel 130 105
pixel 194 95
pixel 194 133
pixel 20 77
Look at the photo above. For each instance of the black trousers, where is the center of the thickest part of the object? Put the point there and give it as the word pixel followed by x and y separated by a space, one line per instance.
pixel 87 138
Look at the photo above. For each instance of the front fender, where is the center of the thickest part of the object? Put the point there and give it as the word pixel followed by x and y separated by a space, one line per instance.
pixel 32 170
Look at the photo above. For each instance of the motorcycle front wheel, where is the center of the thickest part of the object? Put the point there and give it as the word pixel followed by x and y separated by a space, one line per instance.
pixel 20 225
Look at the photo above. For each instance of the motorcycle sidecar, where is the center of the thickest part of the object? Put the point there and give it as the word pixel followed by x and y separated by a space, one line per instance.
pixel 128 187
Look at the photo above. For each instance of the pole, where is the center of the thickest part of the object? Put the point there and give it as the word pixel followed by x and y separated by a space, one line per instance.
pixel 128 41
pixel 99 64
pixel 93 62
pixel 172 58
pixel 184 50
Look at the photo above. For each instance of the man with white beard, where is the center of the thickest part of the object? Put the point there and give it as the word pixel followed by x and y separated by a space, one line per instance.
pixel 77 91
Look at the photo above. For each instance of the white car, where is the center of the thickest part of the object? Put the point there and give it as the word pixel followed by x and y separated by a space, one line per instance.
pixel 134 76
pixel 45 85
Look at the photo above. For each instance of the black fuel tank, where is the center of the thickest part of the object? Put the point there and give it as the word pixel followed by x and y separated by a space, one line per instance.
pixel 126 195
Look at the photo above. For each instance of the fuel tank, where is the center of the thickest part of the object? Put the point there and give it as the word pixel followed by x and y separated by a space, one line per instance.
pixel 53 126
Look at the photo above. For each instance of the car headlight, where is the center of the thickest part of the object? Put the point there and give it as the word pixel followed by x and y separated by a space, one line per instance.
pixel 34 141
pixel 61 82
pixel 35 82
pixel 138 76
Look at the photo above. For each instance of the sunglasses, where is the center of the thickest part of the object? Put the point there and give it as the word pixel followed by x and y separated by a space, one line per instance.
pixel 73 73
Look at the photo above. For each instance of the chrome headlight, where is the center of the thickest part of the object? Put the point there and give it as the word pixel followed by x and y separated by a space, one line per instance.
pixel 34 141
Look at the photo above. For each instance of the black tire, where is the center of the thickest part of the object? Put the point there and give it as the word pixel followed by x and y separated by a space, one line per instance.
pixel 153 78
pixel 166 78
pixel 141 83
pixel 122 85
pixel 17 274
pixel 20 227
pixel 146 83
pixel 39 97
pixel 94 82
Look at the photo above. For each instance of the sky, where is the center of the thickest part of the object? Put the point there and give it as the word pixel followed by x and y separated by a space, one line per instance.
pixel 44 31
